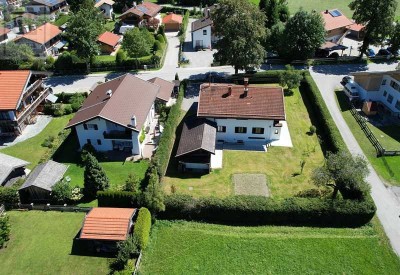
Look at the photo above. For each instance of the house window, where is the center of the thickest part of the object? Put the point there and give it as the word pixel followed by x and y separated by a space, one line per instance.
pixel 90 126
pixel 390 99
pixel 240 130
pixel 394 85
pixel 397 106
pixel 384 93
pixel 258 130
pixel 276 132
pixel 204 32
pixel 88 141
pixel 221 129
pixel 384 82
pixel 99 142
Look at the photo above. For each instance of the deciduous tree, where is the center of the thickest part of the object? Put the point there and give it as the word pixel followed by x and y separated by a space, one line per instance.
pixel 303 34
pixel 343 173
pixel 377 16
pixel 240 27
pixel 14 54
pixel 135 43
pixel 395 38
pixel 290 78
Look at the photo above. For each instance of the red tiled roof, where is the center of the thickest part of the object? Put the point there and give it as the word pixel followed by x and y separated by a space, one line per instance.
pixel 4 31
pixel 146 8
pixel 332 23
pixel 109 38
pixel 260 102
pixel 356 27
pixel 166 88
pixel 172 18
pixel 42 34
pixel 131 96
pixel 12 85
pixel 103 223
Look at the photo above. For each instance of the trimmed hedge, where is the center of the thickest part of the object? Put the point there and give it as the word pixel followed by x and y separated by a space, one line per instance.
pixel 260 211
pixel 9 197
pixel 121 199
pixel 142 227
pixel 327 126
pixel 4 230
pixel 162 155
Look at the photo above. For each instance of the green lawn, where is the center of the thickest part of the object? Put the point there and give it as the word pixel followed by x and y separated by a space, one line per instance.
pixel 109 26
pixel 386 167
pixel 105 58
pixel 61 20
pixel 31 149
pixel 41 243
pixel 117 171
pixel 318 5
pixel 279 164
pixel 197 248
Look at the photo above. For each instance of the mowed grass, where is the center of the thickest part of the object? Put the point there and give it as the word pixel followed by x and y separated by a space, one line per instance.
pixel 386 167
pixel 117 171
pixel 31 149
pixel 41 243
pixel 279 164
pixel 195 248
pixel 318 5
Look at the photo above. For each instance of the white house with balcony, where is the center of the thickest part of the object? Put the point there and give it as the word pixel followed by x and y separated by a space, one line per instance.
pixel 49 8
pixel 380 87
pixel 116 113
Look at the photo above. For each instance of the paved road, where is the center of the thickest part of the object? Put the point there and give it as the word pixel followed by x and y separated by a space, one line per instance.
pixel 327 79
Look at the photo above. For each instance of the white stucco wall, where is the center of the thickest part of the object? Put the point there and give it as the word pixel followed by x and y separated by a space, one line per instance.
pixel 198 35
pixel 231 136
pixel 108 10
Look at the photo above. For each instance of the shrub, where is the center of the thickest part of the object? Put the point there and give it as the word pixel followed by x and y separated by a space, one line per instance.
pixel 76 101
pixel 142 136
pixel 48 142
pixel 259 210
pixel 67 109
pixel 95 179
pixel 121 57
pixel 157 46
pixel 38 65
pixel 126 250
pixel 132 183
pixel 4 230
pixel 61 192
pixel 313 129
pixel 121 199
pixel 160 38
pixel 142 227
pixel 9 196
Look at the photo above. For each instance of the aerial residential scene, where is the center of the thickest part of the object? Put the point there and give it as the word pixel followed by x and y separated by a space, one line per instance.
pixel 199 137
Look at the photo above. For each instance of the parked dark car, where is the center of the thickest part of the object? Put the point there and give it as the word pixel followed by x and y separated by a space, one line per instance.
pixel 384 52
pixel 370 53
pixel 395 53
pixel 346 79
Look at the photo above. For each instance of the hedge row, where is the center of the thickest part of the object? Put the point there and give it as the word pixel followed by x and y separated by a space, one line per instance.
pixel 121 199
pixel 4 230
pixel 142 227
pixel 162 155
pixel 326 125
pixel 260 211
pixel 9 196
pixel 260 77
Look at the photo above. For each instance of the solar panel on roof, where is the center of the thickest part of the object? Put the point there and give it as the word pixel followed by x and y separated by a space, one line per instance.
pixel 142 9
pixel 335 13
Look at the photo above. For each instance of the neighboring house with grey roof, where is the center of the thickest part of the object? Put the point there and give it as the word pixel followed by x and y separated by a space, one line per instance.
pixel 11 169
pixel 38 185
pixel 202 30
pixel 196 144
pixel 47 7
pixel 115 113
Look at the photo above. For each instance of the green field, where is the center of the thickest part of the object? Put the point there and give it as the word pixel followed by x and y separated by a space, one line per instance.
pixel 386 167
pixel 279 164
pixel 195 248
pixel 318 5
pixel 41 243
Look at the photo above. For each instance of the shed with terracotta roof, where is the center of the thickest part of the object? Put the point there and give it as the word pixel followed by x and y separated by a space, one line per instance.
pixel 108 224
pixel 109 42
pixel 172 22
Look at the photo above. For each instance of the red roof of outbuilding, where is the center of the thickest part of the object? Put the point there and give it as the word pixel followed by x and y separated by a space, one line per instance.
pixel 104 223
pixel 172 18
pixel 12 85
pixel 4 31
pixel 109 38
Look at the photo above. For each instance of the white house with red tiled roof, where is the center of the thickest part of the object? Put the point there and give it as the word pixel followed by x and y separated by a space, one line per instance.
pixel 336 24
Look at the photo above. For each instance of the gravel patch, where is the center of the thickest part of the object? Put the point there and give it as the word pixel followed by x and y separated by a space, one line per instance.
pixel 250 184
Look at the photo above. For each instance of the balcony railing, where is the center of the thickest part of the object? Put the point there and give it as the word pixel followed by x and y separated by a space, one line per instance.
pixel 29 109
pixel 117 135
pixel 38 83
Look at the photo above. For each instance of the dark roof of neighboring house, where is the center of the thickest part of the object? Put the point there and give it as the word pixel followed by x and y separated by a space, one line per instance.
pixel 104 223
pixel 260 102
pixel 42 34
pixel 4 31
pixel 45 175
pixel 166 88
pixel 8 164
pixel 197 134
pixel 49 3
pixel 201 23
pixel 335 19
pixel 131 96
pixel 172 18
pixel 109 38
pixel 12 85
pixel 146 8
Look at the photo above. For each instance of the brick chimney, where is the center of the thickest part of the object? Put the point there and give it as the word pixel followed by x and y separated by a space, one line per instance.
pixel 246 86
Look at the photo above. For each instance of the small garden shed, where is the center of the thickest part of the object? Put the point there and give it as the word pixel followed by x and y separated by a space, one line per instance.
pixel 11 169
pixel 38 185
pixel 172 22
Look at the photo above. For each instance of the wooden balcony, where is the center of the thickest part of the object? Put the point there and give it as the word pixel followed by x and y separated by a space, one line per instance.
pixel 117 135
pixel 22 116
